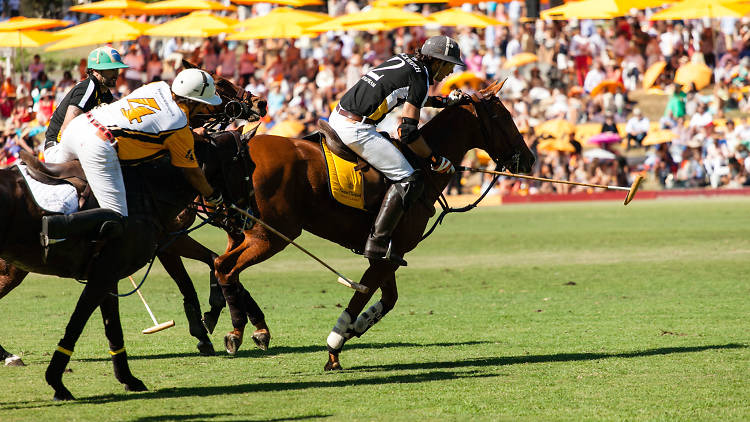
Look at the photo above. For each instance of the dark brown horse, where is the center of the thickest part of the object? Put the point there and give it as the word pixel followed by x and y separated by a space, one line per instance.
pixel 291 192
pixel 236 103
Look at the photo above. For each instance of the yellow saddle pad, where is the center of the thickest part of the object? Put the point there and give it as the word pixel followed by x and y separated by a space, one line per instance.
pixel 344 181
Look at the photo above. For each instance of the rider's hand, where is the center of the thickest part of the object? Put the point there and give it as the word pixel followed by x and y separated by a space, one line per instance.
pixel 215 199
pixel 441 165
pixel 455 97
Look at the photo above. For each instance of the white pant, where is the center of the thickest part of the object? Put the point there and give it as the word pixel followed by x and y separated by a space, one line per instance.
pixel 53 154
pixel 98 157
pixel 365 141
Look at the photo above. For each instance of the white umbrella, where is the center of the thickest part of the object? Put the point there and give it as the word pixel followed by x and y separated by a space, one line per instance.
pixel 601 154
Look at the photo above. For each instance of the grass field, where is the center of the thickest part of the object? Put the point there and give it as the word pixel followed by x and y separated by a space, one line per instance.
pixel 589 311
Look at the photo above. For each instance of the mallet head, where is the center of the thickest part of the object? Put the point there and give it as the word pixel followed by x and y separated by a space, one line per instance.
pixel 633 188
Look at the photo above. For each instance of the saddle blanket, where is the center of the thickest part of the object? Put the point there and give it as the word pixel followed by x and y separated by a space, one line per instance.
pixel 344 181
pixel 61 198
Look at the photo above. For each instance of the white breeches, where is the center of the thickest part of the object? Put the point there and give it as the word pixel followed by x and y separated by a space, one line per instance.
pixel 98 157
pixel 365 141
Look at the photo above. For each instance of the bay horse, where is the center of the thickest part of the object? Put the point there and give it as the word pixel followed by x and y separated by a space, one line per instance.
pixel 291 193
pixel 156 193
pixel 237 104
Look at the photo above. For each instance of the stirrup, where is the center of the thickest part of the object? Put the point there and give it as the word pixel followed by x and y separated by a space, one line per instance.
pixel 387 256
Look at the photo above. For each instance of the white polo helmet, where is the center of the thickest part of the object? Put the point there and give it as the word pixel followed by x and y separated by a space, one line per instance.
pixel 196 85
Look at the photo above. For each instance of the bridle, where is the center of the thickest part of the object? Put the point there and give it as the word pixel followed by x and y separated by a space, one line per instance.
pixel 481 107
pixel 236 106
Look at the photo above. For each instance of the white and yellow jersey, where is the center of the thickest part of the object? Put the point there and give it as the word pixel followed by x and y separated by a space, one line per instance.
pixel 148 122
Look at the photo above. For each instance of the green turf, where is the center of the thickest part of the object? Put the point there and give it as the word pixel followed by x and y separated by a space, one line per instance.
pixel 590 311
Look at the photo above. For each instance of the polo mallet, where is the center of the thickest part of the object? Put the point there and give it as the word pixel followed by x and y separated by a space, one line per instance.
pixel 631 190
pixel 157 327
pixel 342 278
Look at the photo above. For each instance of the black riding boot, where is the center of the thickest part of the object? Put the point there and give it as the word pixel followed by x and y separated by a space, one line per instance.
pixel 100 223
pixel 378 245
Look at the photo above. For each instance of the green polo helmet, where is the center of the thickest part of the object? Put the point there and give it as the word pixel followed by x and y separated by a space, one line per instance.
pixel 104 58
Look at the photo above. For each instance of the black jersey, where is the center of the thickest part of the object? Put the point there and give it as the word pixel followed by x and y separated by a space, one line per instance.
pixel 397 80
pixel 85 95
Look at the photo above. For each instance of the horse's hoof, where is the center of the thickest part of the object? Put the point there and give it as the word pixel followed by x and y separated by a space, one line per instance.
pixel 135 385
pixel 210 321
pixel 14 360
pixel 232 342
pixel 261 339
pixel 62 394
pixel 332 366
pixel 206 348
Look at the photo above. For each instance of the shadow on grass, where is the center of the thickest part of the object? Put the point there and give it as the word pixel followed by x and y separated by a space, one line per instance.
pixel 560 357
pixel 253 352
pixel 209 391
pixel 430 374
pixel 206 416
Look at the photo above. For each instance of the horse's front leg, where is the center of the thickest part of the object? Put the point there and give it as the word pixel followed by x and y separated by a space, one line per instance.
pixel 91 297
pixel 10 278
pixel 176 269
pixel 380 274
pixel 113 330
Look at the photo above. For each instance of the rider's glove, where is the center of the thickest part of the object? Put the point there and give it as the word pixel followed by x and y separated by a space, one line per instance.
pixel 455 97
pixel 215 199
pixel 441 165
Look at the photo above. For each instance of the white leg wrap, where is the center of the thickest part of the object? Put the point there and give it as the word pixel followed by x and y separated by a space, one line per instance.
pixel 341 332
pixel 368 318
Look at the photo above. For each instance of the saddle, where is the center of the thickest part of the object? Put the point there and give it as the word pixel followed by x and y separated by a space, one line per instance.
pixel 369 188
pixel 58 173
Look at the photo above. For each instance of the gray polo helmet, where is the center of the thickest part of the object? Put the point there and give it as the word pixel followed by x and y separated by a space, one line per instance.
pixel 443 48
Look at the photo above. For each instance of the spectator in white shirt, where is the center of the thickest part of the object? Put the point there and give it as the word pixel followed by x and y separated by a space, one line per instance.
pixel 637 128
pixel 701 118
pixel 594 77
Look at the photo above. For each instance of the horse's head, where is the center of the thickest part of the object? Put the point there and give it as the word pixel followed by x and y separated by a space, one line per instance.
pixel 501 138
pixel 226 162
pixel 236 103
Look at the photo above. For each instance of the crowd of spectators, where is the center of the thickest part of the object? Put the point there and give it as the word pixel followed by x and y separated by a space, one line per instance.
pixel 302 79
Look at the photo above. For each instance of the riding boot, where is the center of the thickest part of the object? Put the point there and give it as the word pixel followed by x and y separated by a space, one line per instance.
pixel 378 244
pixel 102 222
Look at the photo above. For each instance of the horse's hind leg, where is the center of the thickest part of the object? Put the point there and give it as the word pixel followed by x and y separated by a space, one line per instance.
pixel 187 247
pixel 175 268
pixel 10 278
pixel 380 274
pixel 113 330
pixel 91 297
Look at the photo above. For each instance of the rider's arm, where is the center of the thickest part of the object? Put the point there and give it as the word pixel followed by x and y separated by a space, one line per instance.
pixel 419 145
pixel 70 114
pixel 197 179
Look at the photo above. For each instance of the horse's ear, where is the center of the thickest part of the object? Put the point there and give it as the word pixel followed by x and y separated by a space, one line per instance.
pixel 499 87
pixel 247 135
pixel 187 65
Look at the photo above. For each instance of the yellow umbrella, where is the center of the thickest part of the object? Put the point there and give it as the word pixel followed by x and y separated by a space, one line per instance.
pixel 379 26
pixel 694 9
pixel 30 38
pixel 652 73
pixel 607 85
pixel 101 31
pixel 697 73
pixel 385 14
pixel 197 24
pixel 556 145
pixel 555 128
pixel 281 16
pixel 289 30
pixel 404 2
pixel 597 9
pixel 20 23
pixel 459 80
pixel 458 17
pixel 172 7
pixel 110 7
pixel 292 3
pixel 656 137
pixel 520 59
pixel 290 128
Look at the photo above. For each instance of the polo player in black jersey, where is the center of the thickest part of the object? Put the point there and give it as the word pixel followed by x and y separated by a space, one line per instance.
pixel 402 79
pixel 103 66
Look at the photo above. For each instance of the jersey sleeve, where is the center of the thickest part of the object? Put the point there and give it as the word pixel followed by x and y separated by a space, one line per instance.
pixel 180 145
pixel 418 87
pixel 84 95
